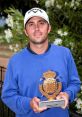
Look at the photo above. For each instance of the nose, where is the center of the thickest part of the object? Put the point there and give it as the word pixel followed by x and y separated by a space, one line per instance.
pixel 36 27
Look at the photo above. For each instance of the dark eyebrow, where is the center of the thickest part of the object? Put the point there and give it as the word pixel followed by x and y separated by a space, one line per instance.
pixel 30 22
pixel 42 20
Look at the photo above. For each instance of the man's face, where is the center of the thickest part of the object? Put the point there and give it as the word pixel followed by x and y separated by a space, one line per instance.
pixel 37 30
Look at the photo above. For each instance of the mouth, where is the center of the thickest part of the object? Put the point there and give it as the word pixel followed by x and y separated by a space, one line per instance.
pixel 37 34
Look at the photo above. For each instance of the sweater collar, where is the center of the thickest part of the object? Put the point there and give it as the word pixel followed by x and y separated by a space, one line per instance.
pixel 30 50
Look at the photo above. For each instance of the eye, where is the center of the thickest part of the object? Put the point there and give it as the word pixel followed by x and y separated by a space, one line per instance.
pixel 42 22
pixel 30 24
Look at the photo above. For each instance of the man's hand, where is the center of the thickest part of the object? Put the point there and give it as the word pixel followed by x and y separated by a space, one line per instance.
pixel 34 103
pixel 65 96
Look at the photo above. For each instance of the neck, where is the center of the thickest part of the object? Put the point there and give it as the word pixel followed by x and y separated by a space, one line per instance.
pixel 39 48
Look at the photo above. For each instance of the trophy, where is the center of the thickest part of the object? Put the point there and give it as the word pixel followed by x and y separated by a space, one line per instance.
pixel 50 88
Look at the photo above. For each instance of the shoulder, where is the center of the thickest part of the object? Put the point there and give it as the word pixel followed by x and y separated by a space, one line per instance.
pixel 18 56
pixel 61 51
pixel 60 48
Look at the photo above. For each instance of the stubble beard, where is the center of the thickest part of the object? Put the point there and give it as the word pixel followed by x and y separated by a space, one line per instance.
pixel 40 42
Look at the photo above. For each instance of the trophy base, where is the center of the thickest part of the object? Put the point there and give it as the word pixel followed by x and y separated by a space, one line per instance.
pixel 52 103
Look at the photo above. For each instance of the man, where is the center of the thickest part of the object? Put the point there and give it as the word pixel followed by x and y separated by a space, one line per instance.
pixel 26 68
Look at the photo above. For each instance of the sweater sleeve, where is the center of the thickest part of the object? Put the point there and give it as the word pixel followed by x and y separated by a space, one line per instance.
pixel 10 94
pixel 73 78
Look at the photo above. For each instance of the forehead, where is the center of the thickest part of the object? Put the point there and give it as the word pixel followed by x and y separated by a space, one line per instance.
pixel 36 18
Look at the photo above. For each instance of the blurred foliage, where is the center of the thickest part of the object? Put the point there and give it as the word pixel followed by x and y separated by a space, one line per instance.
pixel 13 31
pixel 18 28
pixel 22 5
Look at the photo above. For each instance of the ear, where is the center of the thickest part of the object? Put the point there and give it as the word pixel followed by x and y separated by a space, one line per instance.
pixel 25 32
pixel 49 28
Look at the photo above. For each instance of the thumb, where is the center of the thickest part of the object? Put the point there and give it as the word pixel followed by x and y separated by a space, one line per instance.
pixel 58 97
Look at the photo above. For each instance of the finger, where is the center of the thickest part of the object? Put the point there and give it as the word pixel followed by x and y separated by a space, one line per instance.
pixel 66 101
pixel 34 103
pixel 37 100
pixel 42 109
pixel 59 96
pixel 37 109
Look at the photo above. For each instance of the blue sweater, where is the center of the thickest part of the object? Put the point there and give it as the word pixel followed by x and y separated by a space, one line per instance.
pixel 23 76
